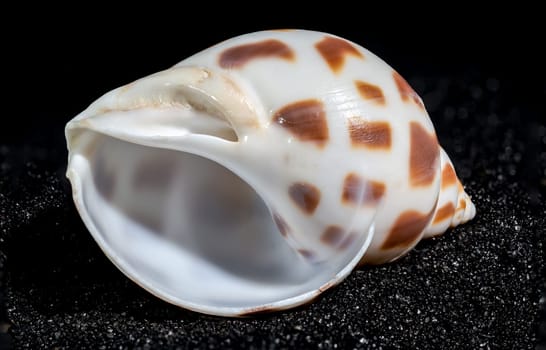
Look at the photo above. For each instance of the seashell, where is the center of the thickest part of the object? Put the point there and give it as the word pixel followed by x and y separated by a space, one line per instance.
pixel 258 173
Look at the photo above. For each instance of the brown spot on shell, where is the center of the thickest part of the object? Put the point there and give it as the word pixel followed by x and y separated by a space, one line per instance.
pixel 462 204
pixel 372 135
pixel 357 191
pixel 448 176
pixel 370 92
pixel 407 228
pixel 307 254
pixel 327 286
pixel 332 236
pixel 304 119
pixel 306 196
pixel 259 311
pixel 424 154
pixel 444 212
pixel 334 51
pixel 281 224
pixel 238 56
pixel 406 91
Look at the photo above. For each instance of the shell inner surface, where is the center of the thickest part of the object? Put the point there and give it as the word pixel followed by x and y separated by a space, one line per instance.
pixel 191 231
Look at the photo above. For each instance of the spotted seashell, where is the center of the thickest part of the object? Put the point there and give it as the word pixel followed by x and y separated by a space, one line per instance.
pixel 258 173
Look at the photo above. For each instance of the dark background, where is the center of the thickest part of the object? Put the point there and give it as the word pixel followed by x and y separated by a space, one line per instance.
pixel 482 77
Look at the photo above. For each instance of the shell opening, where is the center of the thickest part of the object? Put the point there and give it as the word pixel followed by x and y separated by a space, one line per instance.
pixel 189 230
